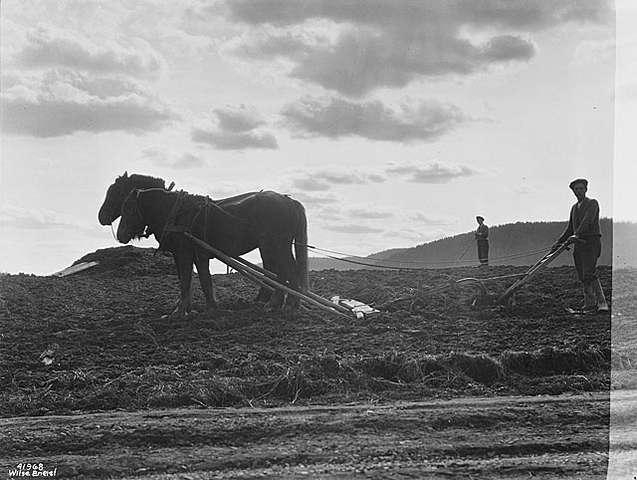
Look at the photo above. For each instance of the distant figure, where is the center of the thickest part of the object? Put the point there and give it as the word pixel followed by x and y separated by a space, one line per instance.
pixel 583 230
pixel 482 239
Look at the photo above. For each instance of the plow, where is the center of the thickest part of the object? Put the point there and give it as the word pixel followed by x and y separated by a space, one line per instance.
pixel 349 309
pixel 483 298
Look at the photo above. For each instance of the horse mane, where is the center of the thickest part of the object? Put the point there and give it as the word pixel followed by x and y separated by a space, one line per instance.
pixel 145 181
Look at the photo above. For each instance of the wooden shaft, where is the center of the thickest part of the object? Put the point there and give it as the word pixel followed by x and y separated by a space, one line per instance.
pixel 254 279
pixel 532 272
pixel 259 269
pixel 310 294
pixel 252 273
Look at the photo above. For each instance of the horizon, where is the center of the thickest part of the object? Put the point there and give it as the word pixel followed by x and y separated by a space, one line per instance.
pixel 219 268
pixel 392 126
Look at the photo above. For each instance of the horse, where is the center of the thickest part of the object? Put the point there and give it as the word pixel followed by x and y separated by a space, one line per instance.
pixel 124 184
pixel 266 220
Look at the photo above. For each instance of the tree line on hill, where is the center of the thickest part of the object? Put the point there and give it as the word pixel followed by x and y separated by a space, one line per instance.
pixel 521 243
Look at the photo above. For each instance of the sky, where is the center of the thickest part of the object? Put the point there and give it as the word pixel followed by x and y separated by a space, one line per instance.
pixel 394 122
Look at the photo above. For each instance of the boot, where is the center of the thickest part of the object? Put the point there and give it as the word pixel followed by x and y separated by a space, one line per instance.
pixel 590 299
pixel 602 306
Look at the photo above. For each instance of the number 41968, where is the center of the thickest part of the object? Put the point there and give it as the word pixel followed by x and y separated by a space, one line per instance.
pixel 30 466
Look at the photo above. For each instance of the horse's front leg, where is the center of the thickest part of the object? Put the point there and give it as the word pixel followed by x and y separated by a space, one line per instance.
pixel 184 260
pixel 205 279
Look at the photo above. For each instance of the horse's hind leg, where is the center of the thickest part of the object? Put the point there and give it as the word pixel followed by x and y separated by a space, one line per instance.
pixel 288 273
pixel 285 268
pixel 271 258
pixel 205 279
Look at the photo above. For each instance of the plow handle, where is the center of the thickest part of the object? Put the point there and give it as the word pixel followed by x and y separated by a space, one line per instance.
pixel 543 262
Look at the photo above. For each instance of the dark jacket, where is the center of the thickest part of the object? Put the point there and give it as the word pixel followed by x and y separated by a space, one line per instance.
pixel 482 233
pixel 583 221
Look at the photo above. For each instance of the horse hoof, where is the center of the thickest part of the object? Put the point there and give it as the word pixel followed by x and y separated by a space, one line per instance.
pixel 177 315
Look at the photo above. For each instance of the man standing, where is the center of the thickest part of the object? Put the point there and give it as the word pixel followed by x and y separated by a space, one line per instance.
pixel 584 232
pixel 482 239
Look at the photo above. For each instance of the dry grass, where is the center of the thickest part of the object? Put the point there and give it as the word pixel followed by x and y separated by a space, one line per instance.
pixel 305 378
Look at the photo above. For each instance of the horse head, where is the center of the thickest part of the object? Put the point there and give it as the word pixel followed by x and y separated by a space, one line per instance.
pixel 132 223
pixel 118 191
pixel 115 195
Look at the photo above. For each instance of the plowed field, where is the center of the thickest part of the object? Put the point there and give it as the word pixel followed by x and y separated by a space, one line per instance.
pixel 96 342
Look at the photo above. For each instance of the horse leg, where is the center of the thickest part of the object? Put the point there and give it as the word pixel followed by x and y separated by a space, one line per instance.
pixel 270 258
pixel 264 294
pixel 205 279
pixel 184 267
pixel 287 272
pixel 177 260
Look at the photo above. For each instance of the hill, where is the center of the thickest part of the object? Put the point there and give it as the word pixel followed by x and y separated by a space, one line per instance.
pixel 520 243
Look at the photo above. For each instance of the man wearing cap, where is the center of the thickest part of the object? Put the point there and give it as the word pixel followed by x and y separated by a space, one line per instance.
pixel 584 232
pixel 482 239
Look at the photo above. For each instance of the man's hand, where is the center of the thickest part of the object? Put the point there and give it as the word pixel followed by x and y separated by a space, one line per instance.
pixel 573 239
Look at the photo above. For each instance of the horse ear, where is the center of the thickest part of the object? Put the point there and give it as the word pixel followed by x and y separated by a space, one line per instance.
pixel 125 174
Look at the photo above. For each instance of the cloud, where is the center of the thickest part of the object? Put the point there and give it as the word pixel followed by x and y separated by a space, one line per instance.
pixel 507 48
pixel 349 228
pixel 389 44
pixel 527 14
pixel 371 214
pixel 12 217
pixel 428 220
pixel 184 161
pixel 239 119
pixel 321 181
pixel 314 200
pixel 432 173
pixel 49 47
pixel 17 217
pixel 310 184
pixel 235 128
pixel 61 103
pixel 273 44
pixel 336 117
pixel 235 141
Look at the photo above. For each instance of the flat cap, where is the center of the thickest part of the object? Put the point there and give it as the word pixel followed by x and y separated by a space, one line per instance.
pixel 583 181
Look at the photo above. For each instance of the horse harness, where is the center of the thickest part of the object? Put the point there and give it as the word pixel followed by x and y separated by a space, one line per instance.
pixel 172 227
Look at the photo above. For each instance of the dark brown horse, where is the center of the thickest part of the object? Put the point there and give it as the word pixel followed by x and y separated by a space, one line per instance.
pixel 266 220
pixel 123 185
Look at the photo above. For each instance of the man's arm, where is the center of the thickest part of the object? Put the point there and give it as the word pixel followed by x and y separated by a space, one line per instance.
pixel 482 232
pixel 569 229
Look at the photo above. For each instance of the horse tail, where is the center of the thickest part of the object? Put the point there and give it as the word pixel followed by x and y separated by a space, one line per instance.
pixel 300 248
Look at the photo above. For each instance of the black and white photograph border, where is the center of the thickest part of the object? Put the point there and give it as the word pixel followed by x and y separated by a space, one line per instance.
pixel 318 239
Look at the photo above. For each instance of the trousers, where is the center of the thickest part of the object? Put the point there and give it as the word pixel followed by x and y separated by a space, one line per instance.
pixel 483 251
pixel 585 257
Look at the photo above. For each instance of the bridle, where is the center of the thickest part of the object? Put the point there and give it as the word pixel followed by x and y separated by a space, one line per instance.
pixel 138 213
pixel 144 234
